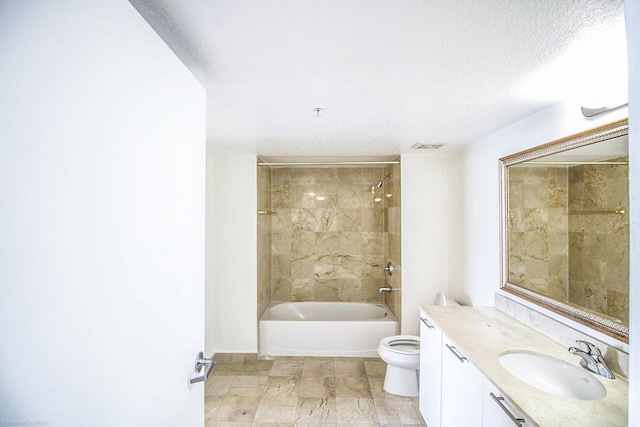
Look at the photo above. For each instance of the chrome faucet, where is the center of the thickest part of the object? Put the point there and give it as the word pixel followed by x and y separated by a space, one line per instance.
pixel 592 359
pixel 385 289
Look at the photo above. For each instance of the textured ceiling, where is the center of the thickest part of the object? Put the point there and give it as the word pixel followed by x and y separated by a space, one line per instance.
pixel 387 73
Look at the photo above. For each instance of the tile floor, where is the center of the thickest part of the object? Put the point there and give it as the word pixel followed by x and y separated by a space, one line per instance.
pixel 305 392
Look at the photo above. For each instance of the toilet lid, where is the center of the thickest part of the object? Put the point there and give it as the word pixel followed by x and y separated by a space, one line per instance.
pixel 404 345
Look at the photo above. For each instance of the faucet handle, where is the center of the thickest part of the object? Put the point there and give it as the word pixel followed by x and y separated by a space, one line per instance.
pixel 592 348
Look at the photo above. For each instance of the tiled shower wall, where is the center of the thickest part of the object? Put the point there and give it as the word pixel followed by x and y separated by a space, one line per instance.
pixel 566 240
pixel 264 239
pixel 327 239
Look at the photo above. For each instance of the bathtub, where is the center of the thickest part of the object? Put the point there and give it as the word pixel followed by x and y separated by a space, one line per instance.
pixel 325 329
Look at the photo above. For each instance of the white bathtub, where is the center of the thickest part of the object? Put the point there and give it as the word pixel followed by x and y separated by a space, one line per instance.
pixel 325 329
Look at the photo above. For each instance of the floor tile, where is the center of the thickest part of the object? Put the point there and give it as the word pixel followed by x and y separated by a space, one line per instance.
pixel 283 387
pixel 318 367
pixel 277 409
pixel 375 368
pixel 237 409
pixel 352 387
pixel 356 410
pixel 397 412
pixel 305 392
pixel 218 386
pixel 287 367
pixel 247 386
pixel 316 410
pixel 317 387
pixel 214 423
pixel 350 368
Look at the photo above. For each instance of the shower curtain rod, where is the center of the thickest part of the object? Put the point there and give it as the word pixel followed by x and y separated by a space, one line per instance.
pixel 335 163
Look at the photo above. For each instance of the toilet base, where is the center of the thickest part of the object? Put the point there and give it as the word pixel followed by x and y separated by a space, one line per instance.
pixel 401 381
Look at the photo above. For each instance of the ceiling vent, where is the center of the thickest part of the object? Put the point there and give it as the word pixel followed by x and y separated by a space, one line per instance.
pixel 420 146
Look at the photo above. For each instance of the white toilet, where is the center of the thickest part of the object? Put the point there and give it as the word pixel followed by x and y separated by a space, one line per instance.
pixel 402 356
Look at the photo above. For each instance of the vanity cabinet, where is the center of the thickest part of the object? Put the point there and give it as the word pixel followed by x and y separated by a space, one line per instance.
pixel 453 392
pixel 497 411
pixel 430 372
pixel 462 386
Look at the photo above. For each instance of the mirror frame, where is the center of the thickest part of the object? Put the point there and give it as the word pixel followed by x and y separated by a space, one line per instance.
pixel 606 326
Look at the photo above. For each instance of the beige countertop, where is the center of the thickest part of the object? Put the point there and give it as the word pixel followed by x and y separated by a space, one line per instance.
pixel 484 333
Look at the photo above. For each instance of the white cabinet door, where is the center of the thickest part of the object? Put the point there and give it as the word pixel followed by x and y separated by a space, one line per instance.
pixel 430 372
pixel 498 411
pixel 461 389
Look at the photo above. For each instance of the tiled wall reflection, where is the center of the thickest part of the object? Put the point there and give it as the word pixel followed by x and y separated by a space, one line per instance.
pixel 566 239
pixel 599 238
pixel 327 234
pixel 538 222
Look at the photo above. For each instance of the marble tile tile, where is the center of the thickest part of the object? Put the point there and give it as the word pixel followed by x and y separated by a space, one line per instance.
pixel 259 368
pixel 277 424
pixel 371 243
pixel 303 243
pixel 281 386
pixel 317 387
pixel 211 405
pixel 302 290
pixel 237 409
pixel 277 409
pixel 303 220
pixel 356 410
pixel 352 387
pixel 350 219
pixel 375 368
pixel 216 423
pixel 350 368
pixel 376 385
pixel 302 266
pixel 218 386
pixel 399 412
pixel 316 410
pixel 248 386
pixel 287 366
pixel 326 220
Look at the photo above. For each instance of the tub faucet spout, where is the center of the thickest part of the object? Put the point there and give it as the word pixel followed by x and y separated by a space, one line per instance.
pixel 385 289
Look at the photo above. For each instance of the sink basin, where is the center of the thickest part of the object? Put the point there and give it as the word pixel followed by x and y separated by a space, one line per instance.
pixel 553 375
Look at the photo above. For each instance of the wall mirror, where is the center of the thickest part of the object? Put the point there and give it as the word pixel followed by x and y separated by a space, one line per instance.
pixel 565 227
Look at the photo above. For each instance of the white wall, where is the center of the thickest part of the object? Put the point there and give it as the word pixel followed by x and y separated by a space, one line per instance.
pixel 476 260
pixel 235 241
pixel 632 19
pixel 425 222
pixel 210 260
pixel 101 219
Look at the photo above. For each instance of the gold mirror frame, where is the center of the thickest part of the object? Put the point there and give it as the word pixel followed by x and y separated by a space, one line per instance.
pixel 613 130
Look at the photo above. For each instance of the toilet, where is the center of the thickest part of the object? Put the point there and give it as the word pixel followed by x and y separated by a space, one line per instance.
pixel 401 353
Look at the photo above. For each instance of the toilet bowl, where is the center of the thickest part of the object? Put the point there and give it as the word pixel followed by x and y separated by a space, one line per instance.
pixel 402 356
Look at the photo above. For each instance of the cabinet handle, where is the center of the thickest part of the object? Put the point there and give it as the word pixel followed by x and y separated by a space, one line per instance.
pixel 455 352
pixel 430 326
pixel 517 421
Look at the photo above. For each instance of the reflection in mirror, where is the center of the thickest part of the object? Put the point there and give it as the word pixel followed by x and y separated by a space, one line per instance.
pixel 565 227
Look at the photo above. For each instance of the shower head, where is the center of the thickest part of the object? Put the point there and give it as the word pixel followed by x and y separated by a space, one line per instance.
pixel 379 183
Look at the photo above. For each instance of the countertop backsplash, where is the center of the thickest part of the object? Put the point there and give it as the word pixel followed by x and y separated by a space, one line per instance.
pixel 617 359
